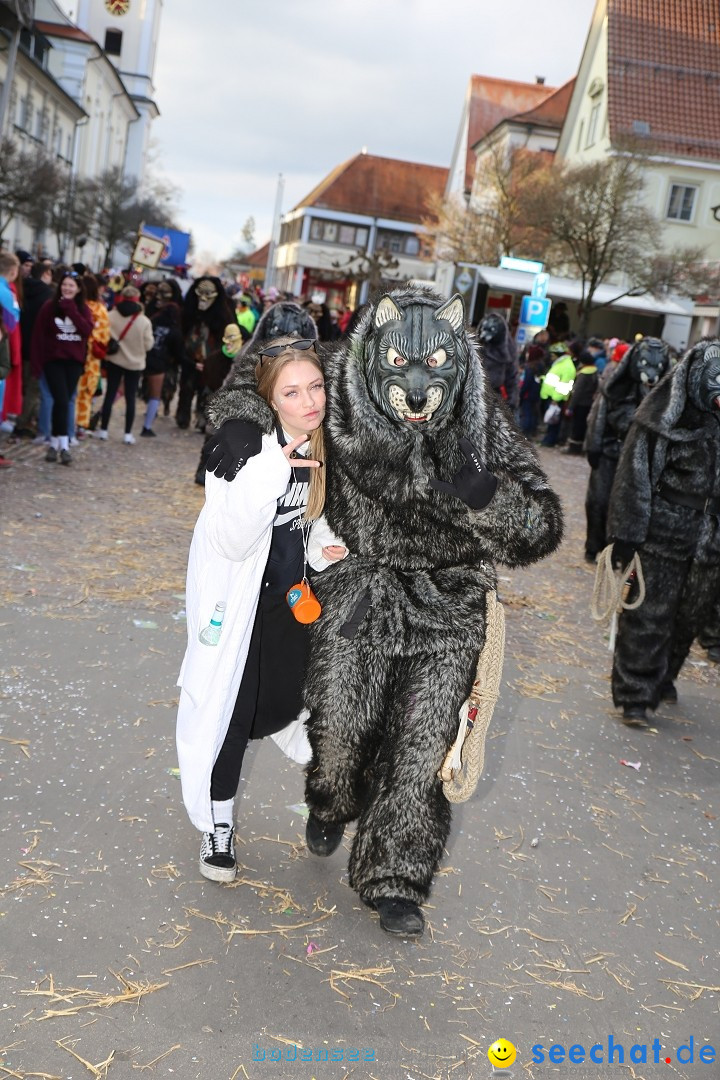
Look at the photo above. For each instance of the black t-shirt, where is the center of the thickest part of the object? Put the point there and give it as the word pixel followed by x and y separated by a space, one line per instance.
pixel 284 567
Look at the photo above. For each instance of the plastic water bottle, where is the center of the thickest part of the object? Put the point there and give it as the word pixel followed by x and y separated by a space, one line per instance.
pixel 211 634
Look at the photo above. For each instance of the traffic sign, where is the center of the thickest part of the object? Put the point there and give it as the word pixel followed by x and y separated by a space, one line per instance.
pixel 464 281
pixel 534 312
pixel 540 286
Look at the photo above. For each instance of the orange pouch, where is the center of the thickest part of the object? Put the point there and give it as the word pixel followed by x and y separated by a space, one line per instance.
pixel 303 603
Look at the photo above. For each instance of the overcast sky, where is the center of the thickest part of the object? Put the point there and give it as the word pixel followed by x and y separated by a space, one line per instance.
pixel 247 90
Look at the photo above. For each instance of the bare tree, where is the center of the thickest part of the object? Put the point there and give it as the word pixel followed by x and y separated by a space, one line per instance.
pixel 497 221
pixel 375 269
pixel 597 228
pixel 29 183
pixel 113 214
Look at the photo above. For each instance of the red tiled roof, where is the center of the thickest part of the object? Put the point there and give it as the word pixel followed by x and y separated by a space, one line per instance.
pixel 550 112
pixel 664 72
pixel 51 29
pixel 379 187
pixel 494 100
pixel 259 257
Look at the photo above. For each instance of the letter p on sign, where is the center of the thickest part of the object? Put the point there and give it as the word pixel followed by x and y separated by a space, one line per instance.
pixel 534 312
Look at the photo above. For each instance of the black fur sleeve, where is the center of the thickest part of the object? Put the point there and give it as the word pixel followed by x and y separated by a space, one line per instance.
pixel 238 399
pixel 524 521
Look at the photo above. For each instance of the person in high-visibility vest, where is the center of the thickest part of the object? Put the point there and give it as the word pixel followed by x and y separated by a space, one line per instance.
pixel 557 388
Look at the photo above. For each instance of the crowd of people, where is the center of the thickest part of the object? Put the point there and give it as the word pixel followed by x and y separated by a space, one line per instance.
pixel 408 387
pixel 72 343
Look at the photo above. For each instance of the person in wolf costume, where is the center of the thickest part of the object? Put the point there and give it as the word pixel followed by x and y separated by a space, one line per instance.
pixel 206 312
pixel 665 504
pixel 283 318
pixel 428 485
pixel 499 357
pixel 619 394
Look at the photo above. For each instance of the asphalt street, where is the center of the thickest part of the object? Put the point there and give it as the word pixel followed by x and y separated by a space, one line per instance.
pixel 577 902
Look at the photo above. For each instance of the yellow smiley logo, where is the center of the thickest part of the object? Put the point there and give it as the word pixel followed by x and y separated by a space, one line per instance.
pixel 502 1054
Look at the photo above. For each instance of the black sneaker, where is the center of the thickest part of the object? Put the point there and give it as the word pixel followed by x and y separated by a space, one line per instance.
pixel 65 457
pixel 321 838
pixel 399 916
pixel 217 854
pixel 51 454
pixel 147 433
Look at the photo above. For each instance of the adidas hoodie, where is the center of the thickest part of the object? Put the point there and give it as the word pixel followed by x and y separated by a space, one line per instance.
pixel 61 332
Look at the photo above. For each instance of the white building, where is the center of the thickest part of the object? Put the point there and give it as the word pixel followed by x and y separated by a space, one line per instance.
pixel 650 72
pixel 41 114
pixel 128 31
pixel 365 206
pixel 85 93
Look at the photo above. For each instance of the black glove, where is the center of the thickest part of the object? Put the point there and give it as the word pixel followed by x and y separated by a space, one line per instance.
pixel 622 553
pixel 230 447
pixel 472 483
pixel 593 457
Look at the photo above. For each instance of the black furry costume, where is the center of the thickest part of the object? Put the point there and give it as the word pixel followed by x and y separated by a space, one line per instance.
pixel 202 335
pixel 394 654
pixel 665 503
pixel 284 317
pixel 620 392
pixel 499 357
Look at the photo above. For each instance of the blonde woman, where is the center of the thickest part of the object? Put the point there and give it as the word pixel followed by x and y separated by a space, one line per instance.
pixel 248 550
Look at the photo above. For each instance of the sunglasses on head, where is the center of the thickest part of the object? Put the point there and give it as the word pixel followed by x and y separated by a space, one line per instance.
pixel 302 345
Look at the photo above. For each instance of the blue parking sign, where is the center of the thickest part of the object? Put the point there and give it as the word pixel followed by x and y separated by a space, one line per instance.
pixel 534 312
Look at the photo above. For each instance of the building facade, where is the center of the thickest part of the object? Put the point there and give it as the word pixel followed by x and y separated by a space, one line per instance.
pixel 649 78
pixel 367 212
pixel 127 31
pixel 83 92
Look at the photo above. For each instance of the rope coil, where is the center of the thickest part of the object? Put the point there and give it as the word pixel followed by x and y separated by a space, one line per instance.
pixel 464 762
pixel 612 589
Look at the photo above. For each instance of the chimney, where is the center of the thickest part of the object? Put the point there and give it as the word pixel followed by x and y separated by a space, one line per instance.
pixel 540 80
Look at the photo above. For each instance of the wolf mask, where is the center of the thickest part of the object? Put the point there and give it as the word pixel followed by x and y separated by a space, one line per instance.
pixel 416 360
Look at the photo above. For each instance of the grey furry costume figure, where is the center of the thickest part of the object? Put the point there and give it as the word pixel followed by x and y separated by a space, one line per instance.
pixel 620 392
pixel 284 317
pixel 499 357
pixel 415 438
pixel 665 504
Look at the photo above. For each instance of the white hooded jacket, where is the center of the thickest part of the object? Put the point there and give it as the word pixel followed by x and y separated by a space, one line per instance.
pixel 228 554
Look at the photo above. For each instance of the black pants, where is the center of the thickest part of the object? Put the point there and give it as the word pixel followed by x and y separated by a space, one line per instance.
pixel 270 694
pixel 130 380
pixel 62 377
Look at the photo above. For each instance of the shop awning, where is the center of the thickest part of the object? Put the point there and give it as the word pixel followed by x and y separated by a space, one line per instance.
pixel 560 288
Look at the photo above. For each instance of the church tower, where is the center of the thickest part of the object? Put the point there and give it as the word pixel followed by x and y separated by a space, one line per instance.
pixel 128 31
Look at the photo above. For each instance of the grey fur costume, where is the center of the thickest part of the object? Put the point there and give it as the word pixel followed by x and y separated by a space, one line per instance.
pixel 283 317
pixel 612 412
pixel 672 448
pixel 394 654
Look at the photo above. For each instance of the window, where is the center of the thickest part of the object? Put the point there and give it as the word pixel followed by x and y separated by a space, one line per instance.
pixel 113 42
pixel 593 125
pixel 316 229
pixel 347 234
pixel 330 232
pixel 412 245
pixel 361 238
pixel 681 202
